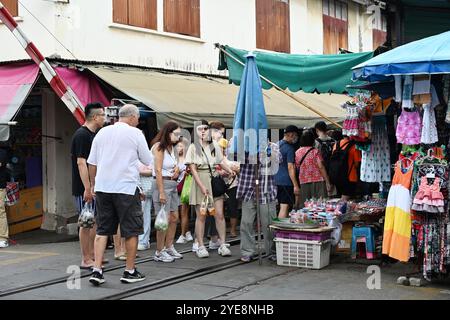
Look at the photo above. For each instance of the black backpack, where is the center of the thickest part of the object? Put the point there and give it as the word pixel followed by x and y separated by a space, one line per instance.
pixel 338 167
pixel 326 150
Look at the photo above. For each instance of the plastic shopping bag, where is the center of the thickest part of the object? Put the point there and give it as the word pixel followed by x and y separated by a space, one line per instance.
pixel 185 193
pixel 161 222
pixel 86 218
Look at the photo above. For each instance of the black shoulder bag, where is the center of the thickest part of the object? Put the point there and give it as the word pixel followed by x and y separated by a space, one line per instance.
pixel 219 187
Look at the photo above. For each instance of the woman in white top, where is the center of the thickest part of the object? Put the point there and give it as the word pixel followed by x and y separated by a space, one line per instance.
pixel 165 194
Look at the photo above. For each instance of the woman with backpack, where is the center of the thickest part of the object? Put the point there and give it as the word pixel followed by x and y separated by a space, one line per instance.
pixel 314 181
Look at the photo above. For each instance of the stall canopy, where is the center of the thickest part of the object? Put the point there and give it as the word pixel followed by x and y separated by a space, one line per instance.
pixel 309 73
pixel 186 98
pixel 426 56
pixel 16 82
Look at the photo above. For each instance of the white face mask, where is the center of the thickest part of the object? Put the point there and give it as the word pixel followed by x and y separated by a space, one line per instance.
pixel 295 140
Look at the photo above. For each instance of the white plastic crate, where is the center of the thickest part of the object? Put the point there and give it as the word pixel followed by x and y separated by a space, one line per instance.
pixel 303 253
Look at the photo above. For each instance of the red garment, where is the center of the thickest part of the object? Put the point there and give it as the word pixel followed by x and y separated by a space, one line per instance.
pixel 309 170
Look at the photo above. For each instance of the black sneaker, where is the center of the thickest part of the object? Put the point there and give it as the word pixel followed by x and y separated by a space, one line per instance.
pixel 136 276
pixel 97 278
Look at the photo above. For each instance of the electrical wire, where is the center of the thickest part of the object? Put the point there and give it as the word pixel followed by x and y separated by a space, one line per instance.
pixel 20 2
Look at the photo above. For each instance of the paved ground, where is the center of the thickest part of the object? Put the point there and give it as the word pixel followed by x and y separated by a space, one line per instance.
pixel 31 262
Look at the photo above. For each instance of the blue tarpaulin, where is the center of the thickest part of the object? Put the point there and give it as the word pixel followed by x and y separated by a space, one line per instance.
pixel 426 56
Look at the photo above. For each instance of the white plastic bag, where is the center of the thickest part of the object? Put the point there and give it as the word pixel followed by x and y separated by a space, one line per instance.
pixel 86 218
pixel 161 222
pixel 336 233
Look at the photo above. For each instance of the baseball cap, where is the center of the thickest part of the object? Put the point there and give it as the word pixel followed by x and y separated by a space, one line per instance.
pixel 291 128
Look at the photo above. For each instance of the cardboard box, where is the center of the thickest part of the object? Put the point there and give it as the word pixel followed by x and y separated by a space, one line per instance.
pixel 27 213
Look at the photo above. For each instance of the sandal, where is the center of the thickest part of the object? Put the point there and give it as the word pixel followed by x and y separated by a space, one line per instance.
pixel 246 259
pixel 122 257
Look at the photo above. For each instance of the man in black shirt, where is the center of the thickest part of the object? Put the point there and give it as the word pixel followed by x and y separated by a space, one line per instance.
pixel 4 178
pixel 81 190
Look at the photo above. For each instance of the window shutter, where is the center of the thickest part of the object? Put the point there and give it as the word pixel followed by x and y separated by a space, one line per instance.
pixel 12 6
pixel 273 25
pixel 120 11
pixel 142 13
pixel 182 16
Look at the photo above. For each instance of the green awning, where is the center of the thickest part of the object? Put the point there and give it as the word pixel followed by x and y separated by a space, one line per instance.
pixel 310 73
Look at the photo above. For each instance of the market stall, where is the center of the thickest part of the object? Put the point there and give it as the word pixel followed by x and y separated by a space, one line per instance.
pixel 417 218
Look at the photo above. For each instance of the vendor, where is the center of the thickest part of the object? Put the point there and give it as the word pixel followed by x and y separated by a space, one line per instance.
pixel 314 181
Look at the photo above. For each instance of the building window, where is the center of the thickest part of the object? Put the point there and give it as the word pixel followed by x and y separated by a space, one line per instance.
pixel 379 31
pixel 12 6
pixel 335 26
pixel 182 17
pixel 273 25
pixel 137 13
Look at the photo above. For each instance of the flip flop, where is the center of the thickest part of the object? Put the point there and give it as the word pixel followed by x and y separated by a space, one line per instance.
pixel 86 267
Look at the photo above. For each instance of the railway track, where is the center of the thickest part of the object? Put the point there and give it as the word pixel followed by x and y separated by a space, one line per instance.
pixel 134 290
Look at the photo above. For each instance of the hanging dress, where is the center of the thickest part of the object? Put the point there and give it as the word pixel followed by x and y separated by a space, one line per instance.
pixel 397 226
pixel 429 129
pixel 376 163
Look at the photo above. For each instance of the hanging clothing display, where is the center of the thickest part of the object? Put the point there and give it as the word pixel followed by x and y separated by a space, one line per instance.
pixel 429 198
pixel 429 129
pixel 409 127
pixel 376 163
pixel 397 225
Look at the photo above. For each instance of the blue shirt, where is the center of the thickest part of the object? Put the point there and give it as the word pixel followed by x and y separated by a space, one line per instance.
pixel 287 151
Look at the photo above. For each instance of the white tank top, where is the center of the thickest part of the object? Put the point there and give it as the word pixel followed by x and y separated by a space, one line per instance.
pixel 169 163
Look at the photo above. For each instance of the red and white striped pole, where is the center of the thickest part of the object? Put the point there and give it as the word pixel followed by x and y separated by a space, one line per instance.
pixel 63 91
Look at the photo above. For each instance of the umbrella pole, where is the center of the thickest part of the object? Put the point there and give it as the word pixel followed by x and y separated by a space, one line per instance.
pixel 258 212
pixel 301 101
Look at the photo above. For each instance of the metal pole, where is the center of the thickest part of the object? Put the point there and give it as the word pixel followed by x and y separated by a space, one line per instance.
pixel 258 212
pixel 299 100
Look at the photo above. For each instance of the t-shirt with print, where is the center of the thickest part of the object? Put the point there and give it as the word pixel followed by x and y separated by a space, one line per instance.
pixel 309 169
pixel 287 151
pixel 81 147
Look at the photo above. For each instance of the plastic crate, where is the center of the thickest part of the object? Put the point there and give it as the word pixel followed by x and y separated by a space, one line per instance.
pixel 303 253
pixel 302 235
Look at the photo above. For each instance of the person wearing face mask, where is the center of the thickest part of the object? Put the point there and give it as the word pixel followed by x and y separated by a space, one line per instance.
pixel 286 178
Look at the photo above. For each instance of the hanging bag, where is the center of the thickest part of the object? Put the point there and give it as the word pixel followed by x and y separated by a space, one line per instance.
pixel 161 222
pixel 185 193
pixel 12 195
pixel 147 185
pixel 218 185
pixel 86 218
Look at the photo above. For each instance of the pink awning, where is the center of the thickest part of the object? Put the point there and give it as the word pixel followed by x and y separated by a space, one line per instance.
pixel 85 86
pixel 16 82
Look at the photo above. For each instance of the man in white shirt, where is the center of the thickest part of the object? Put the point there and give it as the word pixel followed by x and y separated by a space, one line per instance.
pixel 114 175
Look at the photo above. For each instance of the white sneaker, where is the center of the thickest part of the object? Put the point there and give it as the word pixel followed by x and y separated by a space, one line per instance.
pixel 143 247
pixel 4 244
pixel 174 253
pixel 202 252
pixel 214 245
pixel 163 256
pixel 195 247
pixel 224 251
pixel 181 240
pixel 188 236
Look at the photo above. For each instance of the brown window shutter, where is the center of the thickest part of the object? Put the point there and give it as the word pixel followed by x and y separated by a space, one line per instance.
pixel 142 13
pixel 182 16
pixel 273 25
pixel 12 6
pixel 120 11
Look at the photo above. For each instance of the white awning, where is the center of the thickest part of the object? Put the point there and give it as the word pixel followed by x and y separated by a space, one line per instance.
pixel 187 98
